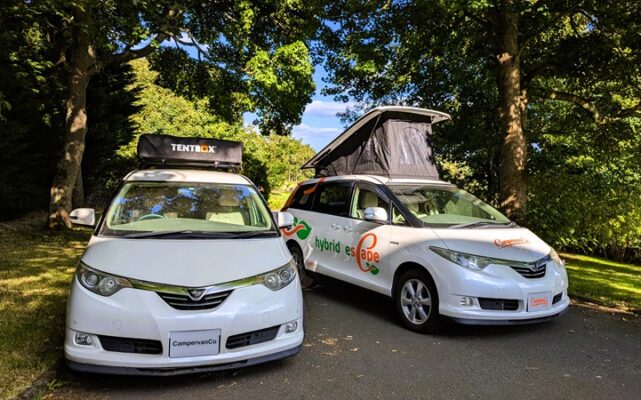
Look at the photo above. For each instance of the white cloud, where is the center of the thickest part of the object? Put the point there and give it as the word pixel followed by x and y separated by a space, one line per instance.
pixel 304 130
pixel 320 108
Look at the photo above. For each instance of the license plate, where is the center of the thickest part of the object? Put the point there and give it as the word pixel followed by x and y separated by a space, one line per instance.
pixel 539 301
pixel 194 343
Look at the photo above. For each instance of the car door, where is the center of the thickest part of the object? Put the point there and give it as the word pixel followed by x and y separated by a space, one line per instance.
pixel 330 214
pixel 369 245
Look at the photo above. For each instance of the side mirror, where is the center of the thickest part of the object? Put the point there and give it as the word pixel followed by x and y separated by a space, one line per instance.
pixel 375 214
pixel 283 219
pixel 83 216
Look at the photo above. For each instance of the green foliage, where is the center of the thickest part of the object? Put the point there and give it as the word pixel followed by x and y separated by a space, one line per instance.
pixel 585 185
pixel 271 162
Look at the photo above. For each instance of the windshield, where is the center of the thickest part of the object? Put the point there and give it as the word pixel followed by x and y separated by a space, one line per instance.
pixel 446 206
pixel 206 208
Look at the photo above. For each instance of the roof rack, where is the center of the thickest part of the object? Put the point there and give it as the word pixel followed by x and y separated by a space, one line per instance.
pixel 173 151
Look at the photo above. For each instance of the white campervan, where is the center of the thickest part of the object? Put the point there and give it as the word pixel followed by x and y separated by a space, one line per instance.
pixel 378 216
pixel 186 270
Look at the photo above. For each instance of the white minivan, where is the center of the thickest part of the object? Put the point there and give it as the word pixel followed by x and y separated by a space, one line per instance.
pixel 435 249
pixel 186 271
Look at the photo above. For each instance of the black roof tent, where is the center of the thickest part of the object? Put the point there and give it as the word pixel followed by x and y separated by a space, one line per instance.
pixel 391 141
pixel 173 151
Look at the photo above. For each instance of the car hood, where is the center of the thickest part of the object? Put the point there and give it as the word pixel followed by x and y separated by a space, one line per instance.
pixel 190 263
pixel 517 244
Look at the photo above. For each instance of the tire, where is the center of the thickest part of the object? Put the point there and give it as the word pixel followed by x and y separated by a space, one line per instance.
pixel 307 280
pixel 418 311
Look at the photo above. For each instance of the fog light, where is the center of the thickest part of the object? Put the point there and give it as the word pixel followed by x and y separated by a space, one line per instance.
pixel 291 327
pixel 466 301
pixel 82 339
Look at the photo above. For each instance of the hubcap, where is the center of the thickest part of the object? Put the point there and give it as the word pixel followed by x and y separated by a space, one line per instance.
pixel 416 301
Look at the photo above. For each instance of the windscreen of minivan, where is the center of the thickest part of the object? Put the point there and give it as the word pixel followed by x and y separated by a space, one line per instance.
pixel 143 209
pixel 447 206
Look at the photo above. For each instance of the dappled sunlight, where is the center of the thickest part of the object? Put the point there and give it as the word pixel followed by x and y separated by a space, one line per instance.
pixel 607 281
pixel 36 268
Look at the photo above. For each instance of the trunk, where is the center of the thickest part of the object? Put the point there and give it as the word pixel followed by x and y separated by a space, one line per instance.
pixel 82 58
pixel 78 195
pixel 514 147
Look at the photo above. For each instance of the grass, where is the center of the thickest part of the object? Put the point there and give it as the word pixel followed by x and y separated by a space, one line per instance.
pixel 604 282
pixel 35 274
pixel 277 200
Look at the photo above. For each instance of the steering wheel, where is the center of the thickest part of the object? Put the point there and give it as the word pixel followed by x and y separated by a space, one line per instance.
pixel 151 216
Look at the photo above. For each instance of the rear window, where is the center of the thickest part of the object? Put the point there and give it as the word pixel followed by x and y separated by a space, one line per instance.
pixel 333 198
pixel 303 197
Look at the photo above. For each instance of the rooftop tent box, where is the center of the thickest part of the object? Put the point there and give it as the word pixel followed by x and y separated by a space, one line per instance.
pixel 173 151
pixel 388 141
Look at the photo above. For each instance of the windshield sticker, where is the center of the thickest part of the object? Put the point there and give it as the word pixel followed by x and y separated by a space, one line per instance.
pixel 364 253
pixel 313 188
pixel 509 242
pixel 300 228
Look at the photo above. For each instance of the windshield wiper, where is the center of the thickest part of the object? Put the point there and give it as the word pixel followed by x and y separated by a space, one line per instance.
pixel 142 235
pixel 484 223
pixel 189 234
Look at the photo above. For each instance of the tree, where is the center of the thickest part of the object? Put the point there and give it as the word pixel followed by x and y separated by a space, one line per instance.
pixel 489 57
pixel 255 45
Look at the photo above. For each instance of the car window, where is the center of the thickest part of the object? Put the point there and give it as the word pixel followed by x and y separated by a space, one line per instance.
pixel 364 198
pixel 397 217
pixel 168 206
pixel 303 197
pixel 332 198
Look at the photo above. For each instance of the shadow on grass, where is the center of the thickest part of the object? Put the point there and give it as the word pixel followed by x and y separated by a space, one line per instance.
pixel 36 267
pixel 604 281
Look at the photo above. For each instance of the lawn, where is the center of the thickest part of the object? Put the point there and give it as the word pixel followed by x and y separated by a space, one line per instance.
pixel 35 273
pixel 604 282
pixel 277 200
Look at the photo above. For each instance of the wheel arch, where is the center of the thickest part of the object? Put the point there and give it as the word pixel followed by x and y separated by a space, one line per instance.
pixel 408 266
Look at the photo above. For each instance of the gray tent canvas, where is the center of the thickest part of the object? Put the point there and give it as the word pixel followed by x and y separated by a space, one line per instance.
pixel 388 141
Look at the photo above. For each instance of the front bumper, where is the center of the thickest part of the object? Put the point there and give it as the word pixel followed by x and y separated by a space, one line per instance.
pixel 142 314
pixel 460 293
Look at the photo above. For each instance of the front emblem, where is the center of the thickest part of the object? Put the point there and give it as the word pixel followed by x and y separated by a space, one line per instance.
pixel 196 294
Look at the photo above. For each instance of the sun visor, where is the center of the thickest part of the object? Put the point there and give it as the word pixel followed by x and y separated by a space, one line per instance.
pixel 173 151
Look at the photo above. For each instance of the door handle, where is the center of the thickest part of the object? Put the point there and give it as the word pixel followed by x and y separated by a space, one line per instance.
pixel 335 227
pixel 347 229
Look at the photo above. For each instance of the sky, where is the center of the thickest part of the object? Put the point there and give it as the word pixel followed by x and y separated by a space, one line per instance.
pixel 319 125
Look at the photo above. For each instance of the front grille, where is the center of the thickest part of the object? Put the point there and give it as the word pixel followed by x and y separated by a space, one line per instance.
pixel 184 302
pixel 530 274
pixel 249 338
pixel 130 345
pixel 498 304
pixel 557 298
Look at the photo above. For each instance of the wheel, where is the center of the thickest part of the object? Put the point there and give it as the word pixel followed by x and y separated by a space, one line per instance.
pixel 306 278
pixel 416 302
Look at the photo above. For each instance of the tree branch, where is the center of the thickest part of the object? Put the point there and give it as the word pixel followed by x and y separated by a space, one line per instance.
pixel 129 54
pixel 586 104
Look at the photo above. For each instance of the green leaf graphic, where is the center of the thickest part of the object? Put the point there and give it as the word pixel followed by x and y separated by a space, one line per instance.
pixel 304 233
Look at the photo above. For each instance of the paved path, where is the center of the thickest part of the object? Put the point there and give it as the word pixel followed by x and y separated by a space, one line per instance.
pixel 355 350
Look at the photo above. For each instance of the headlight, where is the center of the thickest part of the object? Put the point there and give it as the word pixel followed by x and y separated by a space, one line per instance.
pixel 278 278
pixel 469 261
pixel 554 256
pixel 99 282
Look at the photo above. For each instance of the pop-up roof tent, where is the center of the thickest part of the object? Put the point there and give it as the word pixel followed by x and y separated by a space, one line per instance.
pixel 390 141
pixel 173 151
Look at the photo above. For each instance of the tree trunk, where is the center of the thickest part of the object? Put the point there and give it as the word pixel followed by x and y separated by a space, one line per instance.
pixel 78 195
pixel 513 195
pixel 82 58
